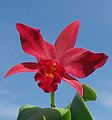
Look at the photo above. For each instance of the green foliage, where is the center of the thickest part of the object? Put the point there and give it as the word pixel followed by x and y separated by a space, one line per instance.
pixel 78 108
pixel 29 112
pixel 89 93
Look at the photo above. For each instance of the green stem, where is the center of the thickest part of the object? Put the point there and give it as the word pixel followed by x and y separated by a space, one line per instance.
pixel 52 99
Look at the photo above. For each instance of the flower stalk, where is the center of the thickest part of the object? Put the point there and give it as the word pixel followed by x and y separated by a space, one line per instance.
pixel 52 95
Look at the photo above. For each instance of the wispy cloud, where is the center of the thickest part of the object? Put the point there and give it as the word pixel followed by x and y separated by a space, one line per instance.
pixel 5 92
pixel 105 98
pixel 99 118
pixel 7 110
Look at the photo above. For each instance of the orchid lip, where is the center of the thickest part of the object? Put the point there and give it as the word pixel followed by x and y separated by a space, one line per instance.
pixel 49 75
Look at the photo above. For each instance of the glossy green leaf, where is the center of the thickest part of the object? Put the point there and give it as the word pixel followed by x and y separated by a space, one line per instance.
pixel 51 114
pixel 79 110
pixel 65 114
pixel 29 112
pixel 88 93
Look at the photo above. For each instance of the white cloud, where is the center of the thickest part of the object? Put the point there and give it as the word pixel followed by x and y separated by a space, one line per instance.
pixel 105 98
pixel 8 110
pixel 99 118
pixel 5 92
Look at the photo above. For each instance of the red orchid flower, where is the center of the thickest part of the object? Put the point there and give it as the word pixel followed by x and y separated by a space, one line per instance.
pixel 59 61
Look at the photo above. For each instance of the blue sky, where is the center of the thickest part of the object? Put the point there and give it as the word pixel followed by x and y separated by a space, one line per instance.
pixel 51 17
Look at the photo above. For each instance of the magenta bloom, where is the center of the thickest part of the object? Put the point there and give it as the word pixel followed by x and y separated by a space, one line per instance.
pixel 59 61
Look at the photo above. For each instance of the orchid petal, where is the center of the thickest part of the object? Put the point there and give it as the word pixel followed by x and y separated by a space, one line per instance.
pixel 75 83
pixel 33 43
pixel 23 67
pixel 81 63
pixel 67 38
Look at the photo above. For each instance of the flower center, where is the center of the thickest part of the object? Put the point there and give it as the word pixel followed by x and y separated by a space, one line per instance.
pixel 49 75
pixel 50 68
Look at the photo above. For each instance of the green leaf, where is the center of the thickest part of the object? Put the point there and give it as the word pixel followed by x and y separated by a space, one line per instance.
pixel 57 114
pixel 29 112
pixel 79 110
pixel 88 93
pixel 65 114
pixel 51 114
